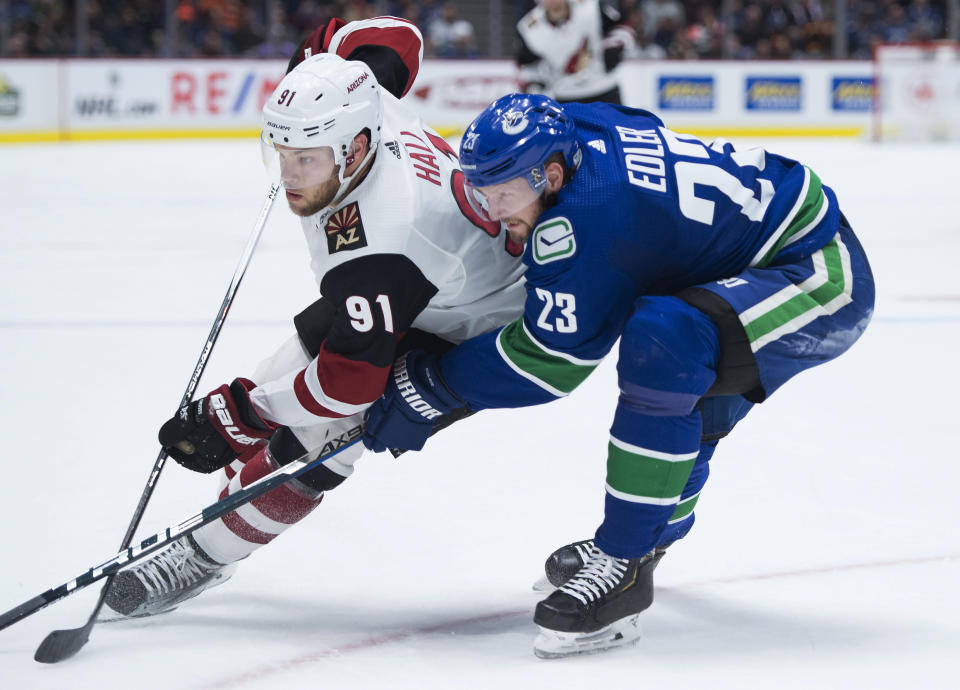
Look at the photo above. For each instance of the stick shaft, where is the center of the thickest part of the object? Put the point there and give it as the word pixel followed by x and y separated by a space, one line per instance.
pixel 129 555
pixel 29 607
pixel 212 338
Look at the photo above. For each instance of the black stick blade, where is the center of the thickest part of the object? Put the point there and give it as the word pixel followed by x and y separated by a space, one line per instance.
pixel 62 644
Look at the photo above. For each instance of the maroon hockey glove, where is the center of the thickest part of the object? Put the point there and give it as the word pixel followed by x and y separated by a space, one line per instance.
pixel 316 42
pixel 212 432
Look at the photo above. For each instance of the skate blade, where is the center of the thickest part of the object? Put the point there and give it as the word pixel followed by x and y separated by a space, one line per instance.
pixel 543 585
pixel 553 644
pixel 113 617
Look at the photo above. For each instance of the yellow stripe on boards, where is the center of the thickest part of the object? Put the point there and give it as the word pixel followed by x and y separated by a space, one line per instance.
pixel 126 135
pixel 772 131
pixel 450 132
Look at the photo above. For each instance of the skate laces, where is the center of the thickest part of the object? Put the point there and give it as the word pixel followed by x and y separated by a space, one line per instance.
pixel 598 576
pixel 584 549
pixel 174 568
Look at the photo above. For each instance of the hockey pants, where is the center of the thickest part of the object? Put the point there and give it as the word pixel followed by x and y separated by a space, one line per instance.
pixel 671 413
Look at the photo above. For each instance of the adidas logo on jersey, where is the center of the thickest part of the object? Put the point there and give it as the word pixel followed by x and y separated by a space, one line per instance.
pixel 598 145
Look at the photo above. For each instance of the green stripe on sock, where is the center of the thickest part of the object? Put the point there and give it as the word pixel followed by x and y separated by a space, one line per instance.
pixel 639 475
pixel 809 209
pixel 528 356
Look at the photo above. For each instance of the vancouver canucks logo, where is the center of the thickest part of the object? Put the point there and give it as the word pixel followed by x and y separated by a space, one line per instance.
pixel 345 230
pixel 514 122
pixel 553 240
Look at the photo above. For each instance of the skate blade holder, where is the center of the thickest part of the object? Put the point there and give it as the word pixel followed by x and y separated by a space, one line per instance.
pixel 553 644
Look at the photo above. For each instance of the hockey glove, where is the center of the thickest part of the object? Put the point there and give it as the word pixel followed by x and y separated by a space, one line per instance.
pixel 415 396
pixel 212 432
pixel 316 42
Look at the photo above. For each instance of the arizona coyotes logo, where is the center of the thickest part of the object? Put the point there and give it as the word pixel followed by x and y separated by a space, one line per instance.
pixel 345 230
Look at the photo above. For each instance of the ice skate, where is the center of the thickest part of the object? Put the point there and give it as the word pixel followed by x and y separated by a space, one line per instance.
pixel 171 576
pixel 597 608
pixel 563 564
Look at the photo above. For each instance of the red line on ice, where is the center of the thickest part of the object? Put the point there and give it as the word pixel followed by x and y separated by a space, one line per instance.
pixel 272 668
pixel 276 667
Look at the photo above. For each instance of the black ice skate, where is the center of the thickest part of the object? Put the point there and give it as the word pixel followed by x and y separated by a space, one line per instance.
pixel 171 576
pixel 597 608
pixel 563 564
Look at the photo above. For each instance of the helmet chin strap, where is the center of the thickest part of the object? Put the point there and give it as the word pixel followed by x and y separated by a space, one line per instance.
pixel 345 181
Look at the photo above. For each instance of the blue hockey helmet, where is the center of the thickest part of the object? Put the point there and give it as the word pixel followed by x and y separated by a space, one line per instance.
pixel 514 137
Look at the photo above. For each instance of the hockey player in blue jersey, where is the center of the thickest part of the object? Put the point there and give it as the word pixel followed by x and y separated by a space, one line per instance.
pixel 724 273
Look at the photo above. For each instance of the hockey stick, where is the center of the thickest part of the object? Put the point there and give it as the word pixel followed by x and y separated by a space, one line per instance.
pixel 61 644
pixel 64 646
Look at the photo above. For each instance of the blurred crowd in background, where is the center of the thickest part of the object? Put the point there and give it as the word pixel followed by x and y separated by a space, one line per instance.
pixel 679 29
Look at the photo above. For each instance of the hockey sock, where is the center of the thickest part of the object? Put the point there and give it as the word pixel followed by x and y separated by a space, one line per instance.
pixel 238 534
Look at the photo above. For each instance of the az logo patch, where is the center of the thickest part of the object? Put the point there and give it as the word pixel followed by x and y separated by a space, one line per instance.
pixel 345 230
pixel 553 240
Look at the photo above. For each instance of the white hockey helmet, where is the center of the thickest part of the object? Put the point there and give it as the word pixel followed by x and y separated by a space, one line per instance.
pixel 323 103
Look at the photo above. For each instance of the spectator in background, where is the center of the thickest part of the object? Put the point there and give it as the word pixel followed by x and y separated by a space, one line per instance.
pixel 277 43
pixel 18 45
pixel 662 19
pixel 781 48
pixel 814 29
pixel 127 34
pixel 896 29
pixel 449 36
pixel 421 12
pixel 356 10
pixel 643 48
pixel 706 33
pixel 249 33
pixel 52 32
pixel 926 21
pixel 752 31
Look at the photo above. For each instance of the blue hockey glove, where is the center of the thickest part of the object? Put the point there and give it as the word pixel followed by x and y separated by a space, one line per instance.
pixel 415 396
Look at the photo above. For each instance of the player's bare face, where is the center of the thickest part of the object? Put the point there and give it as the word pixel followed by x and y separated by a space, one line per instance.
pixel 514 203
pixel 309 177
pixel 521 224
pixel 309 200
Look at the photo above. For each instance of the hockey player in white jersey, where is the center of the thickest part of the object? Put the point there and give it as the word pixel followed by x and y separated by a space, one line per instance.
pixel 401 261
pixel 569 49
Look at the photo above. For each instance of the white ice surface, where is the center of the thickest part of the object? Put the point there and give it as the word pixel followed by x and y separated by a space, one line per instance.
pixel 826 553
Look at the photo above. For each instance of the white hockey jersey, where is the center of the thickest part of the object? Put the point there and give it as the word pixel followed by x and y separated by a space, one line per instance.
pixel 401 251
pixel 407 206
pixel 568 58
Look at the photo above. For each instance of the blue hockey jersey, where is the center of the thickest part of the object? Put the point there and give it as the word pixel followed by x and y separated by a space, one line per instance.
pixel 649 212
